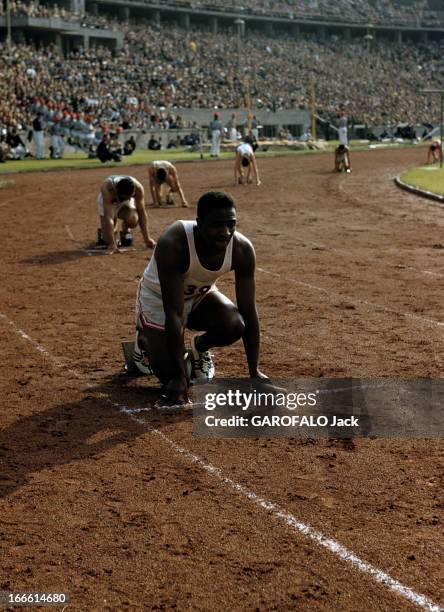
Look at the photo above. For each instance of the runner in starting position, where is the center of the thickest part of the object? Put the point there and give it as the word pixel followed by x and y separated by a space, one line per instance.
pixel 245 160
pixel 342 159
pixel 121 197
pixel 178 292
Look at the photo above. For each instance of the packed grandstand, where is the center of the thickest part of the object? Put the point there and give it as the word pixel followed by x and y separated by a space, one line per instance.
pixel 374 80
pixel 415 12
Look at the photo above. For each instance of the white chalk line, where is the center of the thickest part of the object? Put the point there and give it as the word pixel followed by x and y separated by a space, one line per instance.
pixel 316 536
pixel 280 513
pixel 71 236
pixel 69 232
pixel 353 300
pixel 38 347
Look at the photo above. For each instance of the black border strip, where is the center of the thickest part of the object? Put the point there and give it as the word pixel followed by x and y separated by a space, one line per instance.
pixel 421 192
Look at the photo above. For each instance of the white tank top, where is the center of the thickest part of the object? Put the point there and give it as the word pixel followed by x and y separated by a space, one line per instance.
pixel 165 165
pixel 245 149
pixel 198 280
pixel 114 180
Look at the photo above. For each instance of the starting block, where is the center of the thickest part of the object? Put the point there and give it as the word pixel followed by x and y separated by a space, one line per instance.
pixel 165 206
pixel 94 250
pixel 128 353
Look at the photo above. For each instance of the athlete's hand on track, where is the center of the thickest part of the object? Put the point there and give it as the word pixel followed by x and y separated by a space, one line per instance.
pixel 150 244
pixel 113 250
pixel 175 395
pixel 259 375
pixel 262 383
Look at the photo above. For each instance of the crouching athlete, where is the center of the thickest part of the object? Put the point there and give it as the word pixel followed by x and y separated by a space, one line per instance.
pixel 178 292
pixel 121 197
pixel 245 160
pixel 342 159
pixel 434 153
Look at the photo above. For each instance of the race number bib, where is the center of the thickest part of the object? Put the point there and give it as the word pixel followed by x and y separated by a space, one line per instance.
pixel 194 291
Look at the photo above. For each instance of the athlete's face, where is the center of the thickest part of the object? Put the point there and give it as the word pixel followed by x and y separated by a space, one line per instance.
pixel 217 227
pixel 126 195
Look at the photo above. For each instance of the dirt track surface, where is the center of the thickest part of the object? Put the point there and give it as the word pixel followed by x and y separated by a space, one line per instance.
pixel 110 508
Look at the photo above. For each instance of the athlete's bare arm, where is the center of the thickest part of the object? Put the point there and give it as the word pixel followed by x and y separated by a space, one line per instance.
pixel 244 266
pixel 139 198
pixel 429 154
pixel 237 167
pixel 107 221
pixel 154 186
pixel 171 254
pixel 174 183
pixel 336 161
pixel 256 171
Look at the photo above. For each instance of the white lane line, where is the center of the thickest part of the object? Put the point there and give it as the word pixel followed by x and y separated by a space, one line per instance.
pixel 71 236
pixel 38 347
pixel 296 525
pixel 280 513
pixel 69 232
pixel 353 300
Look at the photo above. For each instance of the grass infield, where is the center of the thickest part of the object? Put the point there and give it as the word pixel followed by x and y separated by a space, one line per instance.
pixel 430 178
pixel 77 161
pixel 140 157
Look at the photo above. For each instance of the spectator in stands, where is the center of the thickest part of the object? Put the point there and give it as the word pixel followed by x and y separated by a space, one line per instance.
pixel 57 142
pixel 343 129
pixel 4 149
pixel 38 136
pixel 16 145
pixel 254 127
pixel 215 128
pixel 383 83
pixel 129 146
pixel 173 143
pixel 105 152
pixel 153 144
pixel 251 140
pixel 232 127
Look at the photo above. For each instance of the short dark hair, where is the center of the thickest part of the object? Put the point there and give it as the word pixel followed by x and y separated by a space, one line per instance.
pixel 161 175
pixel 245 162
pixel 125 187
pixel 213 200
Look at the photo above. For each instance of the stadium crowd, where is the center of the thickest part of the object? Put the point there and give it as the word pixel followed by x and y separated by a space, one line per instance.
pixel 353 11
pixel 20 8
pixel 416 12
pixel 160 69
